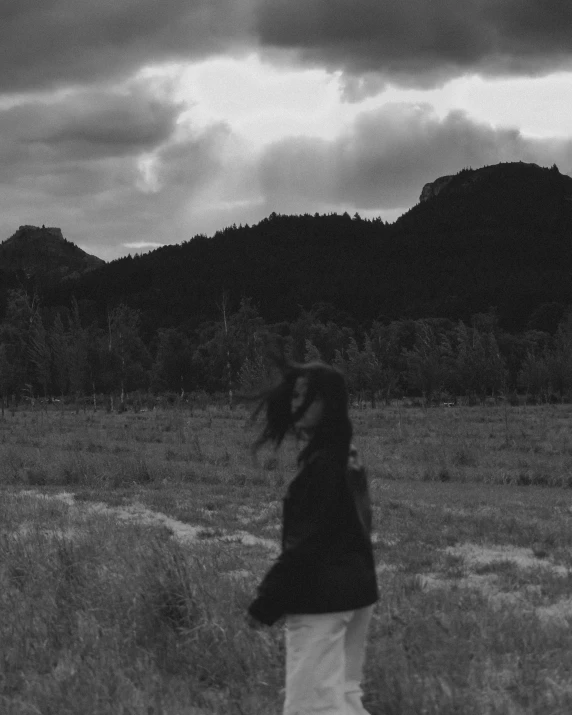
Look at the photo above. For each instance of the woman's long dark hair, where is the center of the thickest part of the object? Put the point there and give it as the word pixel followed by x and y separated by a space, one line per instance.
pixel 334 430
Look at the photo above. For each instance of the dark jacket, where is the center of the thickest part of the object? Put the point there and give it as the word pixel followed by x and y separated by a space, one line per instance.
pixel 327 563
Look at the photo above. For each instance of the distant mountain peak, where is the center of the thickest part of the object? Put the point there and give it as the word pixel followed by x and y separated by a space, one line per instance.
pixel 27 231
pixel 44 253
pixel 466 179
pixel 434 188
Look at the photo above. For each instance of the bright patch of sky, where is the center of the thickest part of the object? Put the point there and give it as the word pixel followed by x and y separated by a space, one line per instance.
pixel 187 148
pixel 263 103
pixel 539 107
pixel 142 245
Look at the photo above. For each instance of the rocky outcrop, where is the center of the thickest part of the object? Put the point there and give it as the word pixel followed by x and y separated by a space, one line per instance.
pixel 31 232
pixel 44 253
pixel 508 174
pixel 434 188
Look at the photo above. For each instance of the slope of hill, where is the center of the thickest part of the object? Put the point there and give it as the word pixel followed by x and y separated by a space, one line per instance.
pixel 497 236
pixel 509 196
pixel 283 262
pixel 45 255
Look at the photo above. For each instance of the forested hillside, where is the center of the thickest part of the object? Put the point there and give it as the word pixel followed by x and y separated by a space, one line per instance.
pixel 42 255
pixel 468 293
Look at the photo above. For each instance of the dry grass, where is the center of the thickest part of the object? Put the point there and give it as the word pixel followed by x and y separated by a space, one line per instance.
pixel 107 608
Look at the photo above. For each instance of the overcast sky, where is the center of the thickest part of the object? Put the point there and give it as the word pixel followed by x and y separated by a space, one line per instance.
pixel 134 123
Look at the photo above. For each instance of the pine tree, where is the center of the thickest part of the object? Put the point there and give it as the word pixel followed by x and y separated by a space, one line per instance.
pixel 560 363
pixel 428 361
pixel 76 352
pixel 39 352
pixel 5 375
pixel 534 376
pixel 60 356
pixel 311 352
pixel 126 350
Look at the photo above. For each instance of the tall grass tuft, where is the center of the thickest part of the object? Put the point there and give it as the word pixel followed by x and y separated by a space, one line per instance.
pixel 104 617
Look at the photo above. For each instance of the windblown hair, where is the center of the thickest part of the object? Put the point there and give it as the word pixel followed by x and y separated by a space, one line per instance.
pixel 334 430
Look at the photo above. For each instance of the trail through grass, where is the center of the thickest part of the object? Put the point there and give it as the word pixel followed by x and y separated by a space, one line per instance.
pixel 125 590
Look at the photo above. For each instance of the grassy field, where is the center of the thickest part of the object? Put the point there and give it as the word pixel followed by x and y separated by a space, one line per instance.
pixel 131 544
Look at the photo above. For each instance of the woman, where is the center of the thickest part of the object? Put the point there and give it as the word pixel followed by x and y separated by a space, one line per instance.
pixel 324 581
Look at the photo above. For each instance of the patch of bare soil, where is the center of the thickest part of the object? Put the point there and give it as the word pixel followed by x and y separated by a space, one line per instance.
pixel 559 613
pixel 185 533
pixel 138 513
pixel 475 556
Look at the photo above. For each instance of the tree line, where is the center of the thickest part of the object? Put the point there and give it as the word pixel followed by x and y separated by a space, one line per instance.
pixel 53 353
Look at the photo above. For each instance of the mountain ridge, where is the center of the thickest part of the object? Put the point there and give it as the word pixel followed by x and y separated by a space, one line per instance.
pixel 497 236
pixel 44 254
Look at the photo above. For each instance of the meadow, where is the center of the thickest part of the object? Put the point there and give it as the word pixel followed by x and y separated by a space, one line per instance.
pixel 131 545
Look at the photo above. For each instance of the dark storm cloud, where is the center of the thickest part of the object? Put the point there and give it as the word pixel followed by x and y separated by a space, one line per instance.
pixel 88 124
pixel 420 42
pixel 157 210
pixel 383 160
pixel 78 162
pixel 58 42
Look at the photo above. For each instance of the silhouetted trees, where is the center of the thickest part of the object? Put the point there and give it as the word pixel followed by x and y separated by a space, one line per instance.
pixel 46 354
pixel 403 309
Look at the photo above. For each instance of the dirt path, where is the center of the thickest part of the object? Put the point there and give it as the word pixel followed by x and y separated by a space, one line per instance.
pixel 138 513
pixel 473 556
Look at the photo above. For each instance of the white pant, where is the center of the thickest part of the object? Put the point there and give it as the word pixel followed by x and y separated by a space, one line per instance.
pixel 325 653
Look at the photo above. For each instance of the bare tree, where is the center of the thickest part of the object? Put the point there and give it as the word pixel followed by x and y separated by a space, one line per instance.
pixel 223 309
pixel 39 352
